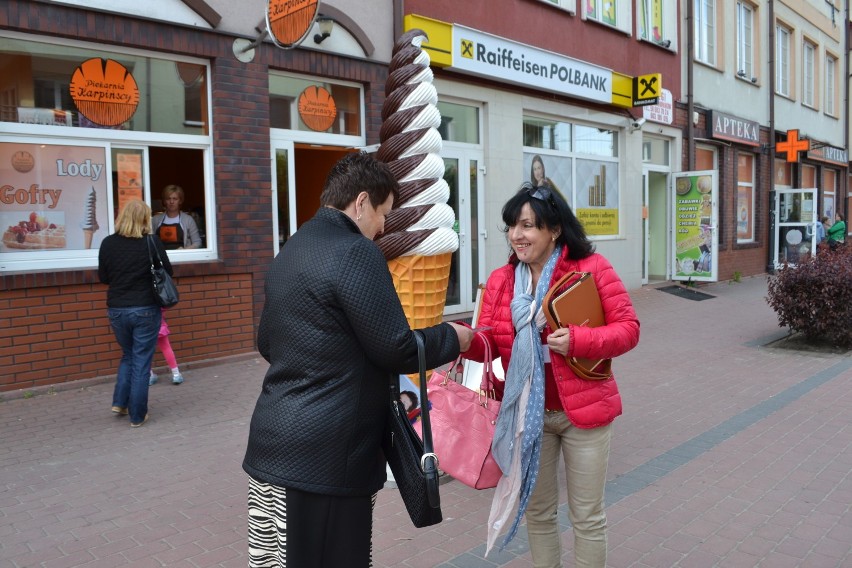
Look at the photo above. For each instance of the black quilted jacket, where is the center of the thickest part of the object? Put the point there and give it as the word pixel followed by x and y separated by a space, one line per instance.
pixel 334 333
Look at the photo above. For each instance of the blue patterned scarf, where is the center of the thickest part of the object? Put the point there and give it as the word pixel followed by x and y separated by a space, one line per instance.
pixel 524 379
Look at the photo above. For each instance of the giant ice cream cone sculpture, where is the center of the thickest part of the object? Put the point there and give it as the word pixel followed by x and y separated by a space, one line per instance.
pixel 419 239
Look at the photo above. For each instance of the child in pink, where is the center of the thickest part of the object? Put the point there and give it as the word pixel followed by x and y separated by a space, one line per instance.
pixel 165 346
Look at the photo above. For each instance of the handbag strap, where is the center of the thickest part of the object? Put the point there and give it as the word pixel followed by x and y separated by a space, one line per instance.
pixel 148 241
pixel 429 460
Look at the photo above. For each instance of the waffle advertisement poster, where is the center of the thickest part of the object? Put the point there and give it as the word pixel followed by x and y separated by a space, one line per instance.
pixel 53 197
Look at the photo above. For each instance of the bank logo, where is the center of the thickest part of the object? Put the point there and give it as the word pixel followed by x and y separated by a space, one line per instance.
pixel 467 48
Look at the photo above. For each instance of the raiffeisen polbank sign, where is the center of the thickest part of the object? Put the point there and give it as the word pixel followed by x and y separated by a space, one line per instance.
pixel 492 57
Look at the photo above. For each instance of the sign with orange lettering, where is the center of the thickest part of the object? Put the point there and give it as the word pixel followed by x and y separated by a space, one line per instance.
pixel 289 21
pixel 317 108
pixel 104 91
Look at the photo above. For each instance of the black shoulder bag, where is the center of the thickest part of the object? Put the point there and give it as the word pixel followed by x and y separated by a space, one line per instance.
pixel 164 288
pixel 412 461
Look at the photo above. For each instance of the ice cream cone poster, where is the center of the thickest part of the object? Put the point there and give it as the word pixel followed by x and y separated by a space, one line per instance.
pixel 104 91
pixel 58 204
pixel 289 21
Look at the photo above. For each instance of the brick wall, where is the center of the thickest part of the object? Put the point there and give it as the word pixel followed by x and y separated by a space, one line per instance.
pixel 56 334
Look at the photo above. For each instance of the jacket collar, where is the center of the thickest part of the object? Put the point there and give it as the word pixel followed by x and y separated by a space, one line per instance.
pixel 337 217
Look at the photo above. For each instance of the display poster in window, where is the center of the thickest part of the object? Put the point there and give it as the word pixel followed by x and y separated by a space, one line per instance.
pixel 596 203
pixel 52 197
pixel 104 91
pixel 744 213
pixel 695 238
pixel 129 182
pixel 553 171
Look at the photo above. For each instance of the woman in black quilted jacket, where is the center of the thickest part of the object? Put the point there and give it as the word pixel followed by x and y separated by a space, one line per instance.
pixel 334 333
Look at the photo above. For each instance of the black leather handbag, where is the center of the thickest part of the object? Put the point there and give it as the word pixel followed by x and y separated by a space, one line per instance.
pixel 164 287
pixel 412 461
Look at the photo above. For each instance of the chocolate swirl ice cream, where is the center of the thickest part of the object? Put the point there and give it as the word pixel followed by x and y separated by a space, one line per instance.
pixel 421 222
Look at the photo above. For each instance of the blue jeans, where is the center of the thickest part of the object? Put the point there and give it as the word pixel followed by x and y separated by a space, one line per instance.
pixel 136 331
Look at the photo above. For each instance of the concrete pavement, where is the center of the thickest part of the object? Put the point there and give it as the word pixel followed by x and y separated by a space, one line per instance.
pixel 729 453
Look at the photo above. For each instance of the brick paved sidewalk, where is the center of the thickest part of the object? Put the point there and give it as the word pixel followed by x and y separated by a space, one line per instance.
pixel 729 454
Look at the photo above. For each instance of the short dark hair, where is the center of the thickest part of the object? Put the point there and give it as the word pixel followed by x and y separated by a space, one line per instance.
pixel 553 212
pixel 354 173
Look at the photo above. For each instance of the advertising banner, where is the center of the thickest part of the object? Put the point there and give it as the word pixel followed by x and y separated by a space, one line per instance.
pixel 52 197
pixel 695 238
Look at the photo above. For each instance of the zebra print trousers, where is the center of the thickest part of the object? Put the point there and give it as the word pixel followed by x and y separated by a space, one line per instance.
pixel 296 529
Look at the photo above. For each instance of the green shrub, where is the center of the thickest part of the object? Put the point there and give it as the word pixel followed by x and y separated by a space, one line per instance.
pixel 814 297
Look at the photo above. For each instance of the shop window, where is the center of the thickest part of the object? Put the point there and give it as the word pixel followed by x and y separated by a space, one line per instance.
pixel 657 22
pixel 783 175
pixel 705 158
pixel 829 188
pixel 745 198
pixel 42 74
pixel 547 134
pixel 308 105
pixel 459 123
pixel 808 176
pixel 581 163
pixel 66 172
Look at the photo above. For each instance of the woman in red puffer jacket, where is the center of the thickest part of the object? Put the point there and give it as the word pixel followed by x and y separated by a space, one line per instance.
pixel 548 241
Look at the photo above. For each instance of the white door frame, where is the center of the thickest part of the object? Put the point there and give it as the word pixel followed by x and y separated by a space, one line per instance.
pixel 465 155
pixel 289 147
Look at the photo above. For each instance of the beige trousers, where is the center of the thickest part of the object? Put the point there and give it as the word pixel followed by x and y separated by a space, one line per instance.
pixel 585 453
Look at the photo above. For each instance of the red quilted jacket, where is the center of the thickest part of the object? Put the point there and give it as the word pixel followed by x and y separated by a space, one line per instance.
pixel 588 404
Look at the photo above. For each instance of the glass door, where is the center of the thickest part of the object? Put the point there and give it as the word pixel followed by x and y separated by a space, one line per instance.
pixel 796 216
pixel 283 193
pixel 463 173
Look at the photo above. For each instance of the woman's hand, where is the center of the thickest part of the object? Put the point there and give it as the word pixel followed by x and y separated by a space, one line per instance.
pixel 559 341
pixel 465 336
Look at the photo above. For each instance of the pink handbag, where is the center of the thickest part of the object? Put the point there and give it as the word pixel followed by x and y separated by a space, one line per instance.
pixel 463 422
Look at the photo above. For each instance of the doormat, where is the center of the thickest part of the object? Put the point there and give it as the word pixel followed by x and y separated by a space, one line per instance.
pixel 688 293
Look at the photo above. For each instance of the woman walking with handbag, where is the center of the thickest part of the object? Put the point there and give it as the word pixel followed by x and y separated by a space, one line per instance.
pixel 547 411
pixel 133 309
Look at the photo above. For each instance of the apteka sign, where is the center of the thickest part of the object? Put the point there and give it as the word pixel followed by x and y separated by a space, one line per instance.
pixel 492 57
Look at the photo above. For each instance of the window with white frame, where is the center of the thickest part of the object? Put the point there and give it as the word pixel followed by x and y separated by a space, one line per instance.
pixel 615 13
pixel 745 198
pixel 705 31
pixel 745 40
pixel 581 163
pixel 657 22
pixel 90 159
pixel 808 73
pixel 830 85
pixel 782 60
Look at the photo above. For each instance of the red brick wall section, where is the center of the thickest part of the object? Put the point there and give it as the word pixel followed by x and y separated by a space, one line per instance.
pixel 53 335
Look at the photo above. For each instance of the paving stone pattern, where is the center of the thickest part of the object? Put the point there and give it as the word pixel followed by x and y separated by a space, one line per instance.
pixel 729 454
